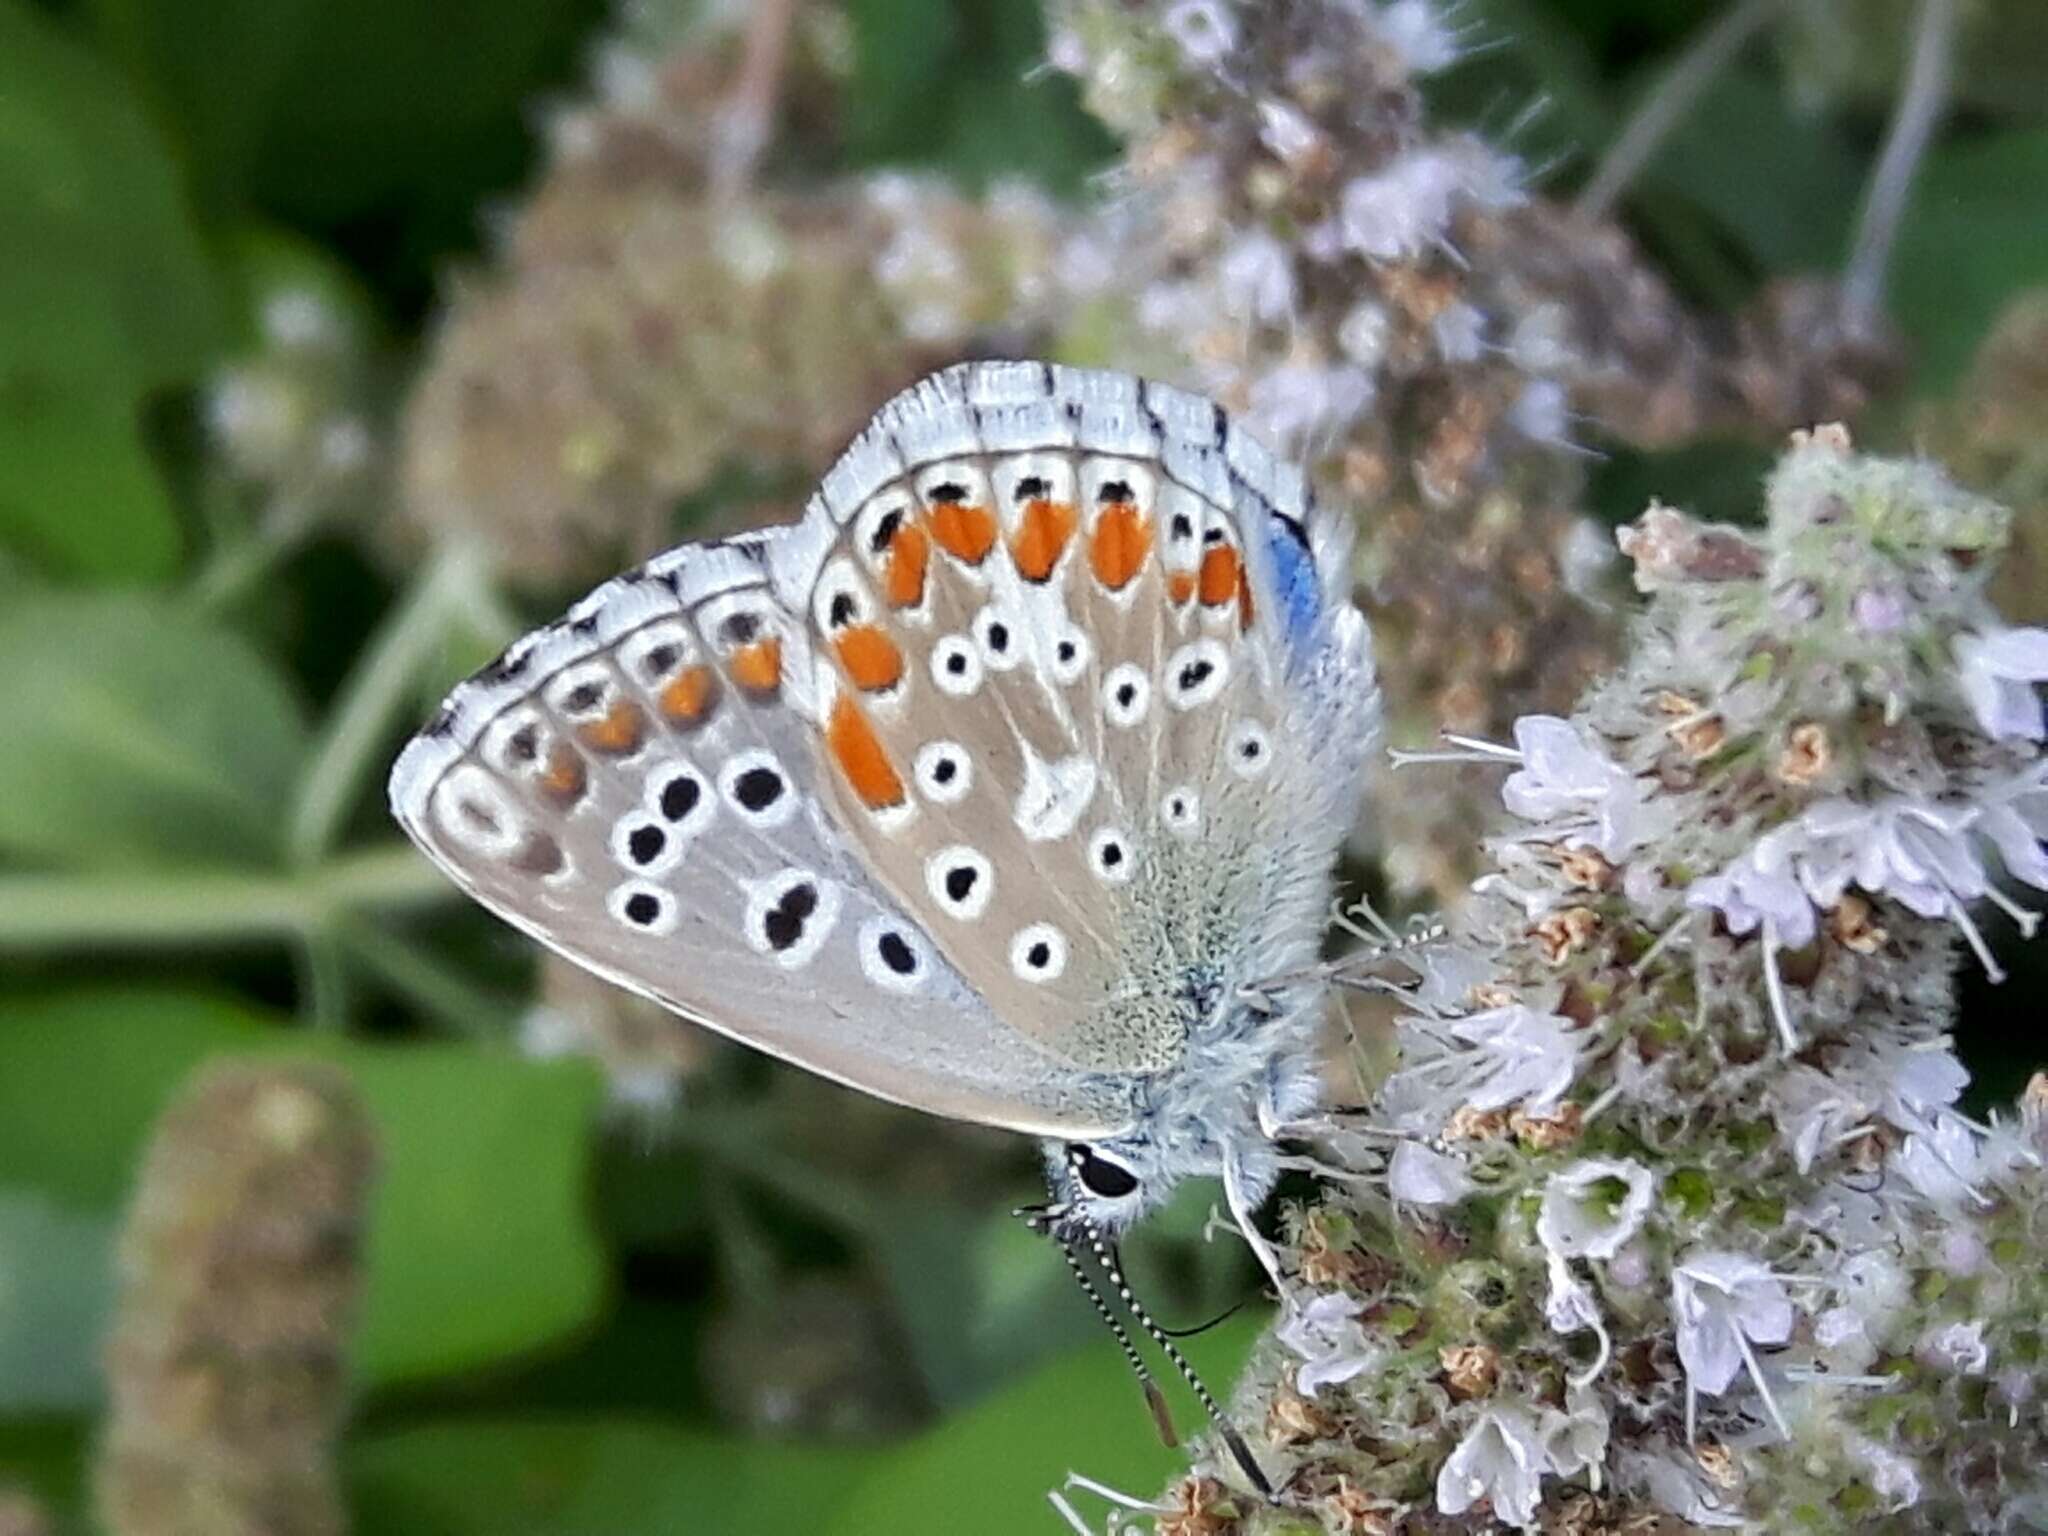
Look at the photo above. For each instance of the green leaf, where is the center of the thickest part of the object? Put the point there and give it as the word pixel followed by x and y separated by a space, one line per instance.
pixel 211 68
pixel 105 295
pixel 101 268
pixel 479 1246
pixel 1974 235
pixel 988 1470
pixel 612 1476
pixel 57 1286
pixel 958 88
pixel 139 733
pixel 1785 187
pixel 80 495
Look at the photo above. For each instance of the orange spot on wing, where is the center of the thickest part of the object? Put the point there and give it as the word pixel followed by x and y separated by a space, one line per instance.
pixel 564 779
pixel 618 732
pixel 758 667
pixel 964 532
pixel 861 757
pixel 688 696
pixel 1180 585
pixel 1220 570
pixel 1040 537
pixel 1244 599
pixel 870 657
pixel 903 572
pixel 1122 540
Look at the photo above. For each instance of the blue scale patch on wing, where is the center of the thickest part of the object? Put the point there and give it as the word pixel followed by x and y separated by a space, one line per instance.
pixel 1298 588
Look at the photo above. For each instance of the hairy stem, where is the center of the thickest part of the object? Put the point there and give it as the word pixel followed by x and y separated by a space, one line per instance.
pixel 1669 101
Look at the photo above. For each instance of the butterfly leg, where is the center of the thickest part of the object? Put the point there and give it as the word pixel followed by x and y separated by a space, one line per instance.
pixel 1241 1213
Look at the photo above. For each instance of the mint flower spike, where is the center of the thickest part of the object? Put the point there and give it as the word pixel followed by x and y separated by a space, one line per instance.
pixel 1998 671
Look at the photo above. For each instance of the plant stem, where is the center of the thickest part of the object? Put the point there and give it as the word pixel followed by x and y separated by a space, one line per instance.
pixel 1668 102
pixel 1912 126
pixel 146 909
pixel 377 689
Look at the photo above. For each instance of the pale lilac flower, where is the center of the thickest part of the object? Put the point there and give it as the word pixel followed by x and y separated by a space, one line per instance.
pixel 1723 1303
pixel 1942 1161
pixel 1460 332
pixel 1892 1477
pixel 1502 1460
pixel 1419 1175
pixel 1297 400
pixel 1577 1221
pixel 1570 1307
pixel 1957 1348
pixel 1326 1334
pixel 1565 778
pixel 1998 672
pixel 1204 30
pixel 1287 131
pixel 1576 1437
pixel 1257 277
pixel 1879 610
pixel 1525 1057
pixel 1403 210
pixel 1540 412
pixel 1678 1487
pixel 1912 850
pixel 1759 890
pixel 2013 818
pixel 1363 333
pixel 1415 31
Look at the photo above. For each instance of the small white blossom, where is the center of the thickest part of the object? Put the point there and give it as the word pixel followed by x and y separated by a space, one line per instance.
pixel 1879 610
pixel 1415 31
pixel 1405 209
pixel 1287 130
pixel 1298 400
pixel 1723 1303
pixel 1759 889
pixel 1204 30
pixel 1257 277
pixel 1364 332
pixel 1892 1476
pixel 1502 1460
pixel 1570 1307
pixel 1420 1175
pixel 1460 332
pixel 1912 850
pixel 1566 779
pixel 1957 1348
pixel 1540 412
pixel 1678 1487
pixel 1577 1221
pixel 1576 1438
pixel 1326 1334
pixel 1942 1161
pixel 2013 818
pixel 1998 672
pixel 1501 1057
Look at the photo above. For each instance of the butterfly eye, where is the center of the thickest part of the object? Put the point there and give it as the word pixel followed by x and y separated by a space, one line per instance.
pixel 1100 1176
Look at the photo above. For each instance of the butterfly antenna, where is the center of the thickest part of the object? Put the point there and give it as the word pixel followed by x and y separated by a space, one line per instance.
pixel 1155 1400
pixel 1113 1268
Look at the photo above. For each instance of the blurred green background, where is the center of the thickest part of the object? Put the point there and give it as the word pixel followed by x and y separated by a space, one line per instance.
pixel 673 1288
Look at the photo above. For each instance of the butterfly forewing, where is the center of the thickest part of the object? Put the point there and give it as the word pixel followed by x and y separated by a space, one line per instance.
pixel 979 788
pixel 635 787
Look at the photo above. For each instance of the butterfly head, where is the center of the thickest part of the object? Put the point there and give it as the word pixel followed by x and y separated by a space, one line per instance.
pixel 1096 1188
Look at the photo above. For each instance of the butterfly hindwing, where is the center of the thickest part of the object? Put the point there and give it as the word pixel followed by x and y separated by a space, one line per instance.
pixel 1080 739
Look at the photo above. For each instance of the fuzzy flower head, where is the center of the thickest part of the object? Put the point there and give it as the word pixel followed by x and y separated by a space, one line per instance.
pixel 1420 1175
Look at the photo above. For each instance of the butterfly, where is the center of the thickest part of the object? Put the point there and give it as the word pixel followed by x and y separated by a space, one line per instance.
pixel 1007 783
